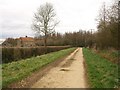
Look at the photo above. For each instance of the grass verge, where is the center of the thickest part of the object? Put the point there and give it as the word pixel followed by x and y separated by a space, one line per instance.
pixel 111 55
pixel 101 72
pixel 17 71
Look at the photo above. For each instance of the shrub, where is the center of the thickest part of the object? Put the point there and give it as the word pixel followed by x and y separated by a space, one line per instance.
pixel 10 54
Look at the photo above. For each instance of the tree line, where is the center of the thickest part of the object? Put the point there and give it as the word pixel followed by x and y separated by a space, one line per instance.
pixel 44 26
pixel 105 37
pixel 81 38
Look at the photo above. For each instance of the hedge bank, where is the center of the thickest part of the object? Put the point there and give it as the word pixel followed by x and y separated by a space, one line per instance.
pixel 10 54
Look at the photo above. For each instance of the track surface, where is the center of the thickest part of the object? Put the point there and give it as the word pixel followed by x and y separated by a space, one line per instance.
pixel 69 73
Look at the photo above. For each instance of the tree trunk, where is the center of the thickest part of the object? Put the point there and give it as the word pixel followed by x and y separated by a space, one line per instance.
pixel 45 44
pixel 45 39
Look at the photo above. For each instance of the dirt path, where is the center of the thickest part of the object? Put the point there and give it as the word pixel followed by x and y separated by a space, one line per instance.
pixel 68 74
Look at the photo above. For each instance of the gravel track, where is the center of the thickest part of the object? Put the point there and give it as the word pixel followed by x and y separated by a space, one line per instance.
pixel 70 73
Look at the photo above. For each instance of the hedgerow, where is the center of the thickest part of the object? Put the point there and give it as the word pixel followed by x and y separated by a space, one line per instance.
pixel 10 54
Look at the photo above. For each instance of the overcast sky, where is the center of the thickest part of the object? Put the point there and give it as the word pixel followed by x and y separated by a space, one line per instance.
pixel 16 15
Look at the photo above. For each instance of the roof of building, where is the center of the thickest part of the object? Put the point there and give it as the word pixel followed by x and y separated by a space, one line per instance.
pixel 26 38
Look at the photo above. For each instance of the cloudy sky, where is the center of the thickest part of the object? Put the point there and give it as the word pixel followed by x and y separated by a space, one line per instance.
pixel 16 15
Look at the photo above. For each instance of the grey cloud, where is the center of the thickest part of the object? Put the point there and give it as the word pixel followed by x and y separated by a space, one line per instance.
pixel 10 26
pixel 16 15
pixel 20 33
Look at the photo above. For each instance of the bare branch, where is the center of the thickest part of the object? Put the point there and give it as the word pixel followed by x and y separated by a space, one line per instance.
pixel 43 21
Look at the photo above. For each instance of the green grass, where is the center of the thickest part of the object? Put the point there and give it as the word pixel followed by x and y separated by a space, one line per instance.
pixel 101 72
pixel 16 71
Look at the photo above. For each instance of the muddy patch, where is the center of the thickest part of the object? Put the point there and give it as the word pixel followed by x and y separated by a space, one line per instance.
pixel 65 69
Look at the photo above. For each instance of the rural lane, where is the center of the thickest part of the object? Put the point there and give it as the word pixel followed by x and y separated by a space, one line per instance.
pixel 70 73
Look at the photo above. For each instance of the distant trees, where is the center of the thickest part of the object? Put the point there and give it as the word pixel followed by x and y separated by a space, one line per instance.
pixel 107 35
pixel 44 21
pixel 81 38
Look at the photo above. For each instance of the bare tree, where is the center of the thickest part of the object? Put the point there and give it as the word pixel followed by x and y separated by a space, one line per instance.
pixel 107 35
pixel 44 21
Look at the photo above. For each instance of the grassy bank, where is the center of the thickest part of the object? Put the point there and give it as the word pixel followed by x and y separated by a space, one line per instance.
pixel 101 72
pixel 111 55
pixel 16 71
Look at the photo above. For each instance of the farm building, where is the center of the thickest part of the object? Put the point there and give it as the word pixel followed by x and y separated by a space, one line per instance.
pixel 25 42
pixel 19 42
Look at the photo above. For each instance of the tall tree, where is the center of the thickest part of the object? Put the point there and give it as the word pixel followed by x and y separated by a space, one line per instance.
pixel 44 21
pixel 107 35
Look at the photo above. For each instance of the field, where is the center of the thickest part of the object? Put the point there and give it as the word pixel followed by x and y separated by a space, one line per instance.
pixel 18 70
pixel 101 72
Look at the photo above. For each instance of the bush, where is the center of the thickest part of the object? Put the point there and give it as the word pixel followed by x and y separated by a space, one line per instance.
pixel 10 54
